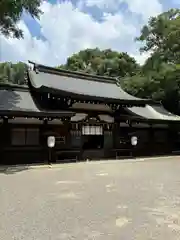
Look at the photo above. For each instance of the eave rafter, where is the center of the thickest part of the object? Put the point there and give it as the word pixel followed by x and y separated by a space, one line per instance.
pixel 67 102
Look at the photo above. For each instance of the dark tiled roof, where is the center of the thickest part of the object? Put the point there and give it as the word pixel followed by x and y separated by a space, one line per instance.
pixel 18 101
pixel 78 117
pixel 81 86
pixel 106 118
pixel 153 112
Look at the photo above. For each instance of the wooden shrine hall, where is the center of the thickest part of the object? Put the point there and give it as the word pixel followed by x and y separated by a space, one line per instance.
pixel 90 117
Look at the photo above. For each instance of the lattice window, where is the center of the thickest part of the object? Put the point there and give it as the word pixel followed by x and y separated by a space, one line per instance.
pixel 92 130
pixel 23 136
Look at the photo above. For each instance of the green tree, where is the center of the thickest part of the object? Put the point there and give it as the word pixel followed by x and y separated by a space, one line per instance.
pixel 105 63
pixel 162 86
pixel 19 70
pixel 161 37
pixel 4 72
pixel 11 12
pixel 159 78
pixel 13 73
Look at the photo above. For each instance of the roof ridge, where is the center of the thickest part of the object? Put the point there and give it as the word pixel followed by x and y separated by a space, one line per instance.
pixel 10 86
pixel 68 73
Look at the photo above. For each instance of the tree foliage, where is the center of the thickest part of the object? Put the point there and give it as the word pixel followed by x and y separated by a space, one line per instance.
pixel 161 36
pixel 159 78
pixel 163 86
pixel 11 12
pixel 13 73
pixel 106 62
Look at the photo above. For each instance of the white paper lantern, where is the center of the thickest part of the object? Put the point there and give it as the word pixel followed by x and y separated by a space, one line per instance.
pixel 51 141
pixel 134 140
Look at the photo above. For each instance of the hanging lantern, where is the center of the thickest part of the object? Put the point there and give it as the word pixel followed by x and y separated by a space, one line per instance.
pixel 134 140
pixel 51 141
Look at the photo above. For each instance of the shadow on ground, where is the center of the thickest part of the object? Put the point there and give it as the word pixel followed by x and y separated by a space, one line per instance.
pixel 13 170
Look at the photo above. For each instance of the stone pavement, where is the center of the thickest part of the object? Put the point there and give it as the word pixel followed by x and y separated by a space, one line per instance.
pixel 109 200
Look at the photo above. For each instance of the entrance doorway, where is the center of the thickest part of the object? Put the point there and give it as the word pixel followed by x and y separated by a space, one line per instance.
pixel 93 137
pixel 93 142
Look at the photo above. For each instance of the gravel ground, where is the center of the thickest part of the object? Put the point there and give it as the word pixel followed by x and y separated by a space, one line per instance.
pixel 88 201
